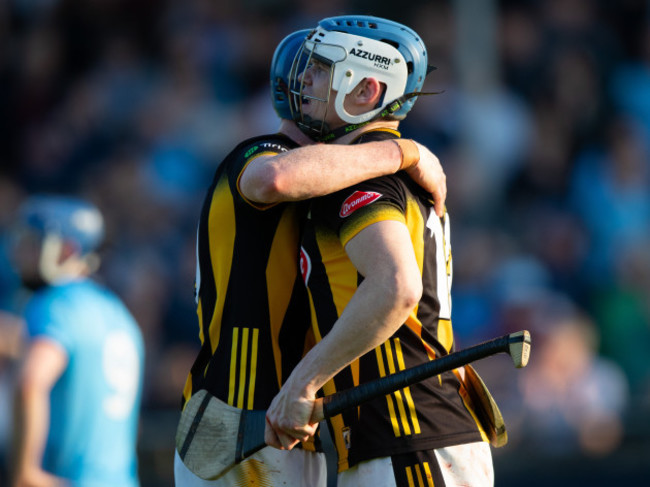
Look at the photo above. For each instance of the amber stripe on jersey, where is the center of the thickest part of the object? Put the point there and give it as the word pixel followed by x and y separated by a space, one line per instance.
pixel 240 381
pixel 417 478
pixel 405 414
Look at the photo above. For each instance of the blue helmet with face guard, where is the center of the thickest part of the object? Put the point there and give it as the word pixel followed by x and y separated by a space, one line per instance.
pixel 71 219
pixel 280 66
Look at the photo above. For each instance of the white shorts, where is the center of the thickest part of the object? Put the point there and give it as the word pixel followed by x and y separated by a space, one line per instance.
pixel 267 467
pixel 468 465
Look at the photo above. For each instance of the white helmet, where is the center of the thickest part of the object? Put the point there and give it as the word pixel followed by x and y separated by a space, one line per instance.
pixel 356 47
pixel 352 58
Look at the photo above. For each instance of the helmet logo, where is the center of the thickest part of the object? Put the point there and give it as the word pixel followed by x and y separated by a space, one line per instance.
pixel 357 200
pixel 379 61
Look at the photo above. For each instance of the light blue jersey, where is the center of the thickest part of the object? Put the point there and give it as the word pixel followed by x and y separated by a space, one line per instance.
pixel 96 402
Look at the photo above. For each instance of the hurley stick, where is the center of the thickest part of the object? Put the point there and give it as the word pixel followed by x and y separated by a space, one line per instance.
pixel 517 345
pixel 208 426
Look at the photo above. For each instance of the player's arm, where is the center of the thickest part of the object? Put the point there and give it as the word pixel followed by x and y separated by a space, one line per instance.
pixel 45 362
pixel 391 288
pixel 320 169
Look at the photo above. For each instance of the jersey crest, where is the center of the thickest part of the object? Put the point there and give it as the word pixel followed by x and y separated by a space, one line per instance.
pixel 305 265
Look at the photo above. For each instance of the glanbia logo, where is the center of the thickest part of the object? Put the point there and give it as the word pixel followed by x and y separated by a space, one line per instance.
pixel 357 200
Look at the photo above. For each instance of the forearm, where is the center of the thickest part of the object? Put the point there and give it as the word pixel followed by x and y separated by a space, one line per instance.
pixel 34 410
pixel 371 317
pixel 46 360
pixel 363 325
pixel 317 170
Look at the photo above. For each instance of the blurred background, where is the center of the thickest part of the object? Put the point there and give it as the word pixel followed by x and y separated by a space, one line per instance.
pixel 543 128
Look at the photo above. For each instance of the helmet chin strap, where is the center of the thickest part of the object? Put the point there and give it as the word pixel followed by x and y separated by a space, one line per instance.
pixel 313 128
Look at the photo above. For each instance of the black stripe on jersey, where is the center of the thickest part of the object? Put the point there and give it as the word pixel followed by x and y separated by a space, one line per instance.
pixel 325 307
pixel 292 337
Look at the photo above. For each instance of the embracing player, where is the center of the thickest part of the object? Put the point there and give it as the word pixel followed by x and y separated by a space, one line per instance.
pixel 377 261
pixel 251 303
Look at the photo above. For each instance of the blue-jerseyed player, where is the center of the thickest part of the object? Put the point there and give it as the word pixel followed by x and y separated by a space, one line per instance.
pixel 81 383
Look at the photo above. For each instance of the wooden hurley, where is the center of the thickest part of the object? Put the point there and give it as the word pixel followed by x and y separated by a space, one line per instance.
pixel 212 437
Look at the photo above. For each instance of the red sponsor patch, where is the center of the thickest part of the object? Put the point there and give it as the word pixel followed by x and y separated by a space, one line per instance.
pixel 357 200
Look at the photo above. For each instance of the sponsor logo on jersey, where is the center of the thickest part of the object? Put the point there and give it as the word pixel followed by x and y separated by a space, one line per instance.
pixel 357 200
pixel 265 145
pixel 379 61
pixel 277 147
pixel 305 265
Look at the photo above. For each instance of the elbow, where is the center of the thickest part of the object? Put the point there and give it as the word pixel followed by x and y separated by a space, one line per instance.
pixel 412 295
pixel 407 292
pixel 267 192
pixel 264 187
pixel 275 187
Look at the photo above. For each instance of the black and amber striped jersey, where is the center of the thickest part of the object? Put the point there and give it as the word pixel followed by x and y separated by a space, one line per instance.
pixel 251 303
pixel 430 414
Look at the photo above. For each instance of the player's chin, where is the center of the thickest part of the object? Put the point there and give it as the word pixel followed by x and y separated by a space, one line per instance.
pixel 307 106
pixel 316 110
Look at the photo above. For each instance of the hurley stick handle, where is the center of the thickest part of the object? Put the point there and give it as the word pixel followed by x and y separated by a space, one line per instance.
pixel 517 345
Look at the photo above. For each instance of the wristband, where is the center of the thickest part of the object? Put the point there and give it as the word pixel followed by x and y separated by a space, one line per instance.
pixel 409 152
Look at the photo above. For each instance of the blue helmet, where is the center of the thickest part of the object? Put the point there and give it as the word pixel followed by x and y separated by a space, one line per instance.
pixel 71 219
pixel 404 39
pixel 280 66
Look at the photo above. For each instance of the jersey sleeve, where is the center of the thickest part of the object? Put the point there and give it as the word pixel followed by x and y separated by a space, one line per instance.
pixel 349 211
pixel 246 154
pixel 47 317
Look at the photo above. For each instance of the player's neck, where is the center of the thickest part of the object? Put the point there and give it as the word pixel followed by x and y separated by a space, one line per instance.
pixel 377 124
pixel 291 130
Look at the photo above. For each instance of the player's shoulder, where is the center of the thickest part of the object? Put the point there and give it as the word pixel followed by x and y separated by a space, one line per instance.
pixel 377 134
pixel 50 294
pixel 269 143
pixel 48 308
pixel 399 181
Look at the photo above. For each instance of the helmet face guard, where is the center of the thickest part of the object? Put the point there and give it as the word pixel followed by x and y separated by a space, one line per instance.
pixel 55 221
pixel 281 64
pixel 309 52
pixel 351 59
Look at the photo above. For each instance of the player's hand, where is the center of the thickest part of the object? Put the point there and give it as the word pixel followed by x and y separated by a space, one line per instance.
pixel 288 420
pixel 428 173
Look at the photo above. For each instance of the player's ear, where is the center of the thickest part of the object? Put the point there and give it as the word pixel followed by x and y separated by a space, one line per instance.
pixel 368 92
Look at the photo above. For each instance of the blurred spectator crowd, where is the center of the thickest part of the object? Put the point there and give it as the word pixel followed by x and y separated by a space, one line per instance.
pixel 133 104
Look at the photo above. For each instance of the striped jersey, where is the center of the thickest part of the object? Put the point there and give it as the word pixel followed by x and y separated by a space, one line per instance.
pixel 251 303
pixel 432 413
